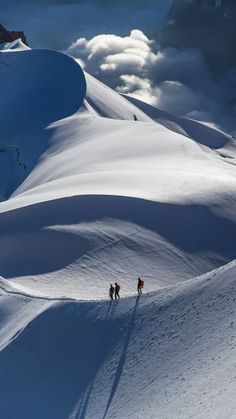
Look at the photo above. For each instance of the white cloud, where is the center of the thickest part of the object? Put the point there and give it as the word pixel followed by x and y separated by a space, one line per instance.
pixel 111 56
pixel 176 80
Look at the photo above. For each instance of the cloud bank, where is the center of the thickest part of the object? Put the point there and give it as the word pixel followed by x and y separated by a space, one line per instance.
pixel 177 80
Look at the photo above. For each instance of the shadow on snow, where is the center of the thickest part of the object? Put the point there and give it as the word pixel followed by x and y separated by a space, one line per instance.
pixel 29 246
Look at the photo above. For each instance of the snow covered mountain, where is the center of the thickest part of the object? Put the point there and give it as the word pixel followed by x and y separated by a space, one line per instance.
pixel 97 188
pixel 205 24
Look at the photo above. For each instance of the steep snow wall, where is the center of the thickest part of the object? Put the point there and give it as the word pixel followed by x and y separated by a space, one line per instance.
pixel 37 88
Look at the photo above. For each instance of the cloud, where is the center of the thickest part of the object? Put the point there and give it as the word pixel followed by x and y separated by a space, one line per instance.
pixel 177 80
pixel 109 57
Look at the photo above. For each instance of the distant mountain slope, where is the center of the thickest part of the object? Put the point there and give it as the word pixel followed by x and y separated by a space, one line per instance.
pixel 205 24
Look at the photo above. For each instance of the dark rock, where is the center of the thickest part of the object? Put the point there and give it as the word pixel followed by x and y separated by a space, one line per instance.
pixel 10 36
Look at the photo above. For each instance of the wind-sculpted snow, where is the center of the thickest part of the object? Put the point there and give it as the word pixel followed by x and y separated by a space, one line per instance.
pixel 105 189
pixel 37 88
pixel 97 239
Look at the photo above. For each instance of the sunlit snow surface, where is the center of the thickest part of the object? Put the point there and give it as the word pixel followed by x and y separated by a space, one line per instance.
pixel 90 196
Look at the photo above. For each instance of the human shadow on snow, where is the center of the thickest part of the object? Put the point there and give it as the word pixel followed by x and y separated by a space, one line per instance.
pixel 53 363
pixel 120 365
pixel 81 410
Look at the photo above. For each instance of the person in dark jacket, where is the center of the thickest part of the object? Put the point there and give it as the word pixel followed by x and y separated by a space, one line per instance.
pixel 117 291
pixel 140 286
pixel 111 291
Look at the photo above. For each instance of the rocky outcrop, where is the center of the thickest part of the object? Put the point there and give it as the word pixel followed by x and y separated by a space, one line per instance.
pixel 205 24
pixel 10 36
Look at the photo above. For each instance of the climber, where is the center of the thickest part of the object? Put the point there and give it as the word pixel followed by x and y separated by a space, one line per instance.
pixel 117 291
pixel 140 286
pixel 111 292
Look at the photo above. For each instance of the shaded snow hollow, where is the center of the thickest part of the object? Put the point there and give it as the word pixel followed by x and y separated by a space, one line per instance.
pixel 91 196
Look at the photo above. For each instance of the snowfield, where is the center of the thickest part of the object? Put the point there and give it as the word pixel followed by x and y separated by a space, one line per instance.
pixel 90 196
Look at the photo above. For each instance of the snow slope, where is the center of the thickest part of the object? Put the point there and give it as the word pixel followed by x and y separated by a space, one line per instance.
pixel 169 354
pixel 204 135
pixel 107 188
pixel 103 101
pixel 104 198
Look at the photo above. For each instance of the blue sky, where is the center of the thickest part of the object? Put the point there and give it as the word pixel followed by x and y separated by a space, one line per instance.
pixel 55 24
